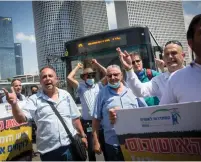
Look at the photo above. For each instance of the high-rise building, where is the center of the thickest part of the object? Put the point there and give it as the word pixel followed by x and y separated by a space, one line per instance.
pixel 19 59
pixel 164 19
pixel 59 21
pixel 7 55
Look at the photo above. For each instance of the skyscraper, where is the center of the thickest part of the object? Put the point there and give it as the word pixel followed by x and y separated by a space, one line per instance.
pixel 7 55
pixel 59 21
pixel 164 19
pixel 19 59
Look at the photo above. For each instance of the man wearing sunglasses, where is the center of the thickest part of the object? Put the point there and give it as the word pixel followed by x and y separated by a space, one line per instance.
pixel 87 91
pixel 144 75
pixel 173 58
pixel 185 85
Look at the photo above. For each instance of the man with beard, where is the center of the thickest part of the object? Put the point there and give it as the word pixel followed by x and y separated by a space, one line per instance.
pixel 52 140
pixel 17 87
pixel 34 89
pixel 113 96
pixel 185 85
pixel 173 58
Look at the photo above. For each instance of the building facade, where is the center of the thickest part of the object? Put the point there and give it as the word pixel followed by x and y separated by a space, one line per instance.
pixel 57 22
pixel 7 55
pixel 19 59
pixel 164 19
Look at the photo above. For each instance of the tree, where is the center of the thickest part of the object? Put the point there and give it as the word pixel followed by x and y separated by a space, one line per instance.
pixel 9 79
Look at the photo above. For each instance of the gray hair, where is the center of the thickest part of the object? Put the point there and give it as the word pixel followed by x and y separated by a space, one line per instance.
pixel 113 66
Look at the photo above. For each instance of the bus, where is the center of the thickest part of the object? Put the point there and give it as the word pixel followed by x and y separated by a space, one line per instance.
pixel 102 47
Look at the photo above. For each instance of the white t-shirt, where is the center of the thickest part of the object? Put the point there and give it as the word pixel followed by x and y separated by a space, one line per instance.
pixel 183 86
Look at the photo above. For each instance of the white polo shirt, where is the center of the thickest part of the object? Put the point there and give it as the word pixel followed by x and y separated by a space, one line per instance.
pixel 155 87
pixel 183 86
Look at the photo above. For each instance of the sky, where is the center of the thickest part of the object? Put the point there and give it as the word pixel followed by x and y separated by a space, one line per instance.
pixel 23 26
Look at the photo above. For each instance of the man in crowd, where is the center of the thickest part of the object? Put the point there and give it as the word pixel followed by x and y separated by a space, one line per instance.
pixel 17 87
pixel 185 85
pixel 173 58
pixel 113 96
pixel 34 89
pixel 87 91
pixel 144 75
pixel 52 140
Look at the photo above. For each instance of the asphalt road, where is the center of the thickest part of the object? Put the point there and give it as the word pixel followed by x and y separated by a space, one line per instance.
pixel 37 157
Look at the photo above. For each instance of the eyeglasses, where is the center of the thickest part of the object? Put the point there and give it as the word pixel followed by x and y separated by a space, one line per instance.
pixel 174 42
pixel 115 75
pixel 136 61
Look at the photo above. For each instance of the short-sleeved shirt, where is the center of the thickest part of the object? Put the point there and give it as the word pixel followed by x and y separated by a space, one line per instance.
pixel 107 99
pixel 22 96
pixel 50 132
pixel 87 98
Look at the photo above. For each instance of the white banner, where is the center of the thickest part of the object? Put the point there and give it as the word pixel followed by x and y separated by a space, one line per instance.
pixel 169 132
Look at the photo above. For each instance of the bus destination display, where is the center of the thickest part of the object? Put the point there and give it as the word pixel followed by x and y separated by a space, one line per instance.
pixel 99 44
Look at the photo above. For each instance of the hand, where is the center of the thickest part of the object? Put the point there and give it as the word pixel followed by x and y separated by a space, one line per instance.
pixel 84 140
pixel 94 61
pixel 113 115
pixel 80 65
pixel 97 148
pixel 160 63
pixel 10 97
pixel 125 59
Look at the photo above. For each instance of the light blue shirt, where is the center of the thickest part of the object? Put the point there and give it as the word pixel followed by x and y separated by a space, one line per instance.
pixel 23 98
pixel 87 98
pixel 50 132
pixel 107 99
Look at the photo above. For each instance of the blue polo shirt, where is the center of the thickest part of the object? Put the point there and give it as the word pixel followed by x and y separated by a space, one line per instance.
pixel 107 99
pixel 87 98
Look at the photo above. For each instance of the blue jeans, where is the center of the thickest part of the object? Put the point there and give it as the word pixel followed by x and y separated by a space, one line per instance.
pixel 63 153
pixel 113 153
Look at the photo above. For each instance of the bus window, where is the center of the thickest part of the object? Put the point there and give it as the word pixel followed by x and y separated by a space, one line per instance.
pixel 102 47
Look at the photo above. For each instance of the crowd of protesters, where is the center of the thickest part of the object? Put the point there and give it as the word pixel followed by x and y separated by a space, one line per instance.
pixel 99 99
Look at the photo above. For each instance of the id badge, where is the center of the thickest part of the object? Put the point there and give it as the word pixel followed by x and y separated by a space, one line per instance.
pixel 89 129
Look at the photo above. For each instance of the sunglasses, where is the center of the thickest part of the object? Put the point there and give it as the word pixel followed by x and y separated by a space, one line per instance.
pixel 136 61
pixel 174 42
pixel 115 75
pixel 89 75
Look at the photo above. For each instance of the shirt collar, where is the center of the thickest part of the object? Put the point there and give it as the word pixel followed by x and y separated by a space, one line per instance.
pixel 42 95
pixel 114 92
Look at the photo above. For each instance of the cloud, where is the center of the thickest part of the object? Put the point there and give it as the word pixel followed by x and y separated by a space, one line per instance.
pixel 23 37
pixel 111 15
pixel 187 19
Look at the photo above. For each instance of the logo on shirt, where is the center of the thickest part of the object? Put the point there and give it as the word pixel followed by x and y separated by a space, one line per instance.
pixel 162 117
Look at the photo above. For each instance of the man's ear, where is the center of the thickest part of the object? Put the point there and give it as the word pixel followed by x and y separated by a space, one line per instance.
pixel 183 54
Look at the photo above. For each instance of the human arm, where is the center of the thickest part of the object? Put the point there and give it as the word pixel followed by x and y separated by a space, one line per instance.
pixel 102 69
pixel 95 131
pixel 71 76
pixel 147 89
pixel 17 112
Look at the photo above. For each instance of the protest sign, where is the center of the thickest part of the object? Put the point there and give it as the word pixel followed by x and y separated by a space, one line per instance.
pixel 15 139
pixel 169 132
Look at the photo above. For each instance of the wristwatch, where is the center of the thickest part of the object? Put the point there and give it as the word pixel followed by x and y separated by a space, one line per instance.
pixel 83 136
